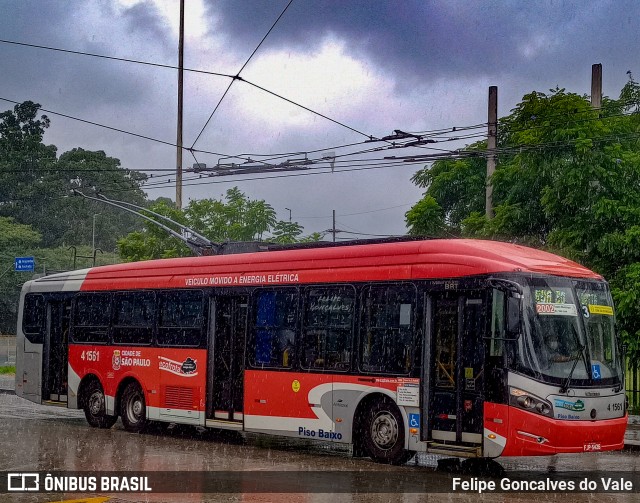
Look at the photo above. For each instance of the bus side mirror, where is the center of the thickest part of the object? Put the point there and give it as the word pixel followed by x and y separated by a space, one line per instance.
pixel 513 315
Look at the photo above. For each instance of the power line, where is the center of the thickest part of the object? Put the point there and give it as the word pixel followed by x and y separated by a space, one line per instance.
pixel 114 58
pixel 237 76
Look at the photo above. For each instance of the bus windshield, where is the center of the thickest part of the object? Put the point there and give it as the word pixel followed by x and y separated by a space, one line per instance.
pixel 569 332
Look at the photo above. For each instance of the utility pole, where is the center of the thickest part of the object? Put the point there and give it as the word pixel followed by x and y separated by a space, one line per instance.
pixel 333 231
pixel 289 213
pixel 491 147
pixel 596 85
pixel 180 99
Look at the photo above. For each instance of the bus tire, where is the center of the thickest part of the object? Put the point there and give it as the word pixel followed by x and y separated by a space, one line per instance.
pixel 94 406
pixel 133 408
pixel 383 434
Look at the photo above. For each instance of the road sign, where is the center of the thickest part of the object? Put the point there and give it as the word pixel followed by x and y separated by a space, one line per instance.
pixel 25 264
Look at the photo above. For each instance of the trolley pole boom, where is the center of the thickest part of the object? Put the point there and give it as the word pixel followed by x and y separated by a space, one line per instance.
pixel 196 242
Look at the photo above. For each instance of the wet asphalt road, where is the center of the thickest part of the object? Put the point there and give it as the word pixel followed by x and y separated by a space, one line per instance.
pixel 39 438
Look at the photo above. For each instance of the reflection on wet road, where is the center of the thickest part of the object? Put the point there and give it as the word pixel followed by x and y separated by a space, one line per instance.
pixel 37 438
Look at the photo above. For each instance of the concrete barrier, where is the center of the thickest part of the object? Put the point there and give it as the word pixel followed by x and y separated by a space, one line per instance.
pixel 7 349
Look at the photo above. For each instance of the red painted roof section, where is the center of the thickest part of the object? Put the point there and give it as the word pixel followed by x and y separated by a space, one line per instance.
pixel 446 258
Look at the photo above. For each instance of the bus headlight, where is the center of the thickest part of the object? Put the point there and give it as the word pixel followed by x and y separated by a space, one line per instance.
pixel 524 400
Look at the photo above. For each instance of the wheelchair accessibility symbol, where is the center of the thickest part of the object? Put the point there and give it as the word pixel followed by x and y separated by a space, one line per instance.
pixel 414 420
pixel 595 372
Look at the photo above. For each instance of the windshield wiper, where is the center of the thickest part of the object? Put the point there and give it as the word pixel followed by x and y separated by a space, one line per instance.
pixel 565 386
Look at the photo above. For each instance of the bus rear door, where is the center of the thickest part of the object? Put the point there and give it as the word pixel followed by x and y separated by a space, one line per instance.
pixel 454 372
pixel 225 393
pixel 55 353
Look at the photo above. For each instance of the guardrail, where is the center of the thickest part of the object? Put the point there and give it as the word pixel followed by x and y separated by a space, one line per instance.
pixel 7 349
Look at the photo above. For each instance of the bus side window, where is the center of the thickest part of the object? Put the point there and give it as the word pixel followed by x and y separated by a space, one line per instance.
pixel 386 341
pixel 327 329
pixel 33 318
pixel 180 318
pixel 91 317
pixel 133 317
pixel 274 335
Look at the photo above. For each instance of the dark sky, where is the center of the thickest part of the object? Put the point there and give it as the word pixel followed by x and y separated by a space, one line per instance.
pixel 375 66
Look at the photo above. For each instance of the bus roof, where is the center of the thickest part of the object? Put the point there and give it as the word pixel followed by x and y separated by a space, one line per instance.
pixel 427 259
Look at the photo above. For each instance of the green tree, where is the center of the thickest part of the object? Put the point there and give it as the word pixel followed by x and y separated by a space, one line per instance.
pixel 233 218
pixel 14 240
pixel 568 180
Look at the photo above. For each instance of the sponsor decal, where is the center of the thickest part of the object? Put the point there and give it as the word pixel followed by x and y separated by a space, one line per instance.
pixel 577 406
pixel 187 368
pixel 295 386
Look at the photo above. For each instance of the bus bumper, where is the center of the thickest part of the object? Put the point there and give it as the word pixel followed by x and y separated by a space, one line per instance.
pixel 531 434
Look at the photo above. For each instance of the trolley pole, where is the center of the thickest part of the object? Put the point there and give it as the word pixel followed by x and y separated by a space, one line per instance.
pixel 491 147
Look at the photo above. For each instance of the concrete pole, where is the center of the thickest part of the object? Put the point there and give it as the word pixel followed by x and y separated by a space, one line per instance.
pixel 596 85
pixel 491 147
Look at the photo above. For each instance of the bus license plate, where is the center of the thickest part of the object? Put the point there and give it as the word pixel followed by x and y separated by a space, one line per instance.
pixel 592 447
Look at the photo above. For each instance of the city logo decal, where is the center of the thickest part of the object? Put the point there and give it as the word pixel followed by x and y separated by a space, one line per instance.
pixel 115 361
pixel 187 368
pixel 576 406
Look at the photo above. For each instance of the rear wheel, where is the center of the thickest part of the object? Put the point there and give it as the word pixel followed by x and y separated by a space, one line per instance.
pixel 133 409
pixel 94 406
pixel 383 433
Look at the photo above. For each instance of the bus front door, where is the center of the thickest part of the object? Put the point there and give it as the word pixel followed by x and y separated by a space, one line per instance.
pixel 225 393
pixel 455 382
pixel 55 356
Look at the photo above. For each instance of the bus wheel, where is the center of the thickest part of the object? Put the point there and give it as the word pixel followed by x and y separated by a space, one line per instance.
pixel 95 407
pixel 383 434
pixel 133 409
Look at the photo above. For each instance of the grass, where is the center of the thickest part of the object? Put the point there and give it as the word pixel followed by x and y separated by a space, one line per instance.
pixel 8 370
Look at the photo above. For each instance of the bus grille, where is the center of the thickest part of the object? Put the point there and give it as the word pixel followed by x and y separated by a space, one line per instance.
pixel 176 397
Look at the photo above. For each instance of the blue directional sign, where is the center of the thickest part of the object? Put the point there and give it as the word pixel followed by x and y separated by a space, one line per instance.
pixel 25 264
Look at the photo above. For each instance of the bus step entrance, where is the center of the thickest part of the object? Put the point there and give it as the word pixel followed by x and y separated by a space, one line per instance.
pixel 224 425
pixel 463 451
pixel 57 403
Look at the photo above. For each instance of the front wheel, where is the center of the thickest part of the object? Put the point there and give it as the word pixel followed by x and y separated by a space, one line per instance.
pixel 133 409
pixel 94 406
pixel 383 433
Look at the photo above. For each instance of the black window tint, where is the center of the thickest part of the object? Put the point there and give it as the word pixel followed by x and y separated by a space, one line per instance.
pixel 33 318
pixel 327 328
pixel 274 328
pixel 91 315
pixel 387 332
pixel 133 317
pixel 180 318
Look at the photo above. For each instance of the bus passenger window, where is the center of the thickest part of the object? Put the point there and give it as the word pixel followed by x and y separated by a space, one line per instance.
pixel 180 318
pixel 33 318
pixel 387 333
pixel 328 328
pixel 133 317
pixel 91 317
pixel 274 328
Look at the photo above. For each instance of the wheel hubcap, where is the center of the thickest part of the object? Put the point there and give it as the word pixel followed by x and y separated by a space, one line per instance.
pixel 95 403
pixel 384 430
pixel 135 409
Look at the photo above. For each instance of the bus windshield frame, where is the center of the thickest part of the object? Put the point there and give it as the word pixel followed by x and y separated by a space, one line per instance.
pixel 568 333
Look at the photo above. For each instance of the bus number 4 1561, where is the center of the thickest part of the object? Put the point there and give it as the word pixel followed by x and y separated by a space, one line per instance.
pixel 90 356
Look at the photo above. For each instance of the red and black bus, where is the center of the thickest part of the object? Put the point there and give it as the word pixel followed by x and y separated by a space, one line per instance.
pixel 463 347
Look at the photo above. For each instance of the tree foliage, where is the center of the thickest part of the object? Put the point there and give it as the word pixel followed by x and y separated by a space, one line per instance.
pixel 568 180
pixel 232 218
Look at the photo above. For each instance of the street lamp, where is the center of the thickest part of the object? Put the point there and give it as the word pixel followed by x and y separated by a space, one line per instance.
pixel 289 213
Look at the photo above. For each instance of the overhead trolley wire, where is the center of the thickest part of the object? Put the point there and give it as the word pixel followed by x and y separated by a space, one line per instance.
pixel 237 76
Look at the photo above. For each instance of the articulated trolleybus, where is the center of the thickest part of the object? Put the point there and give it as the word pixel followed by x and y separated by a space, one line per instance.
pixel 460 347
